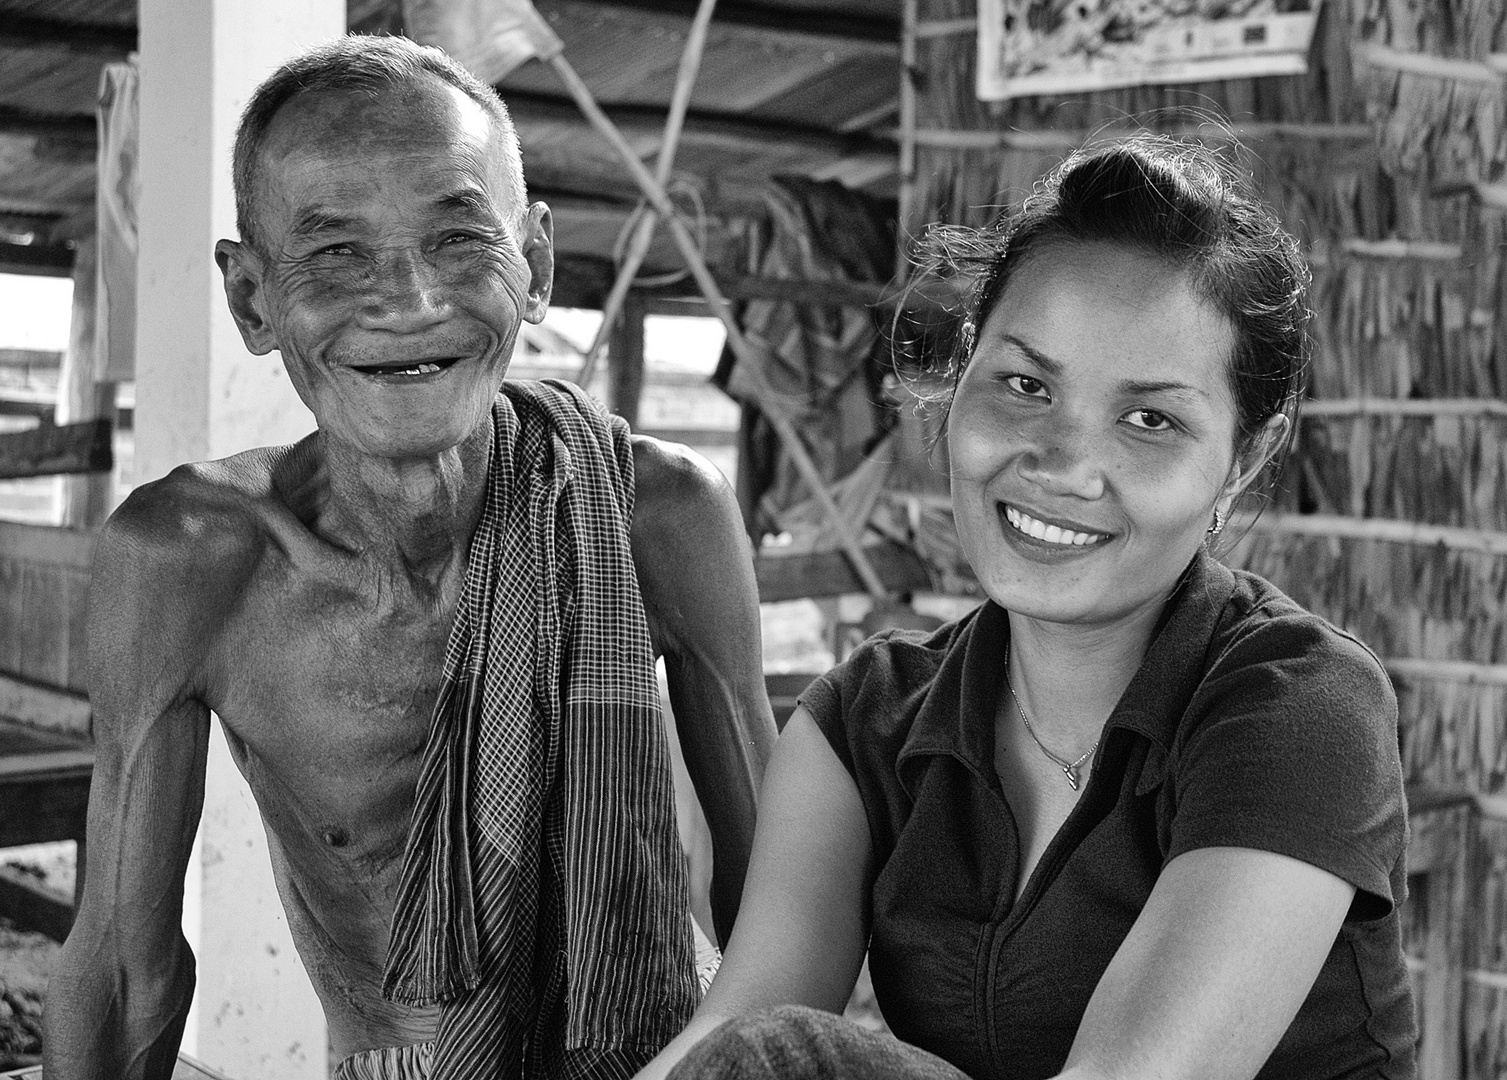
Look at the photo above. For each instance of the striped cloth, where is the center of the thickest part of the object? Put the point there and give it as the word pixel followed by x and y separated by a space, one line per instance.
pixel 543 900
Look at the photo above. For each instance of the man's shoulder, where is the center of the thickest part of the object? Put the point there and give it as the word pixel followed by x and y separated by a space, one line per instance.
pixel 202 516
pixel 695 566
pixel 674 482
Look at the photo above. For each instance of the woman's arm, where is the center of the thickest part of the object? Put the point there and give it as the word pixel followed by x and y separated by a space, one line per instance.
pixel 1214 969
pixel 803 924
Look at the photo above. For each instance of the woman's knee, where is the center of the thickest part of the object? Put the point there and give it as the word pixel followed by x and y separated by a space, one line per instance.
pixel 791 1042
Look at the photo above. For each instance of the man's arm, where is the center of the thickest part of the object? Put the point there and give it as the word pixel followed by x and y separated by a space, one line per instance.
pixel 696 575
pixel 120 995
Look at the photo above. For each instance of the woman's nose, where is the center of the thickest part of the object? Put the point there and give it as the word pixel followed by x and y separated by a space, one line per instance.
pixel 1065 459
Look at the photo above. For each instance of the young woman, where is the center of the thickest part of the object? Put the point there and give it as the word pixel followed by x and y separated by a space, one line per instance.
pixel 1137 816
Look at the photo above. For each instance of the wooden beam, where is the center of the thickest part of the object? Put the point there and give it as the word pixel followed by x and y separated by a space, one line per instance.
pixel 30 358
pixel 31 32
pixel 56 451
pixel 827 573
pixel 28 228
pixel 71 548
pixel 79 128
pixel 46 260
pixel 703 437
pixel 30 905
pixel 44 708
pixel 732 130
pixel 880 31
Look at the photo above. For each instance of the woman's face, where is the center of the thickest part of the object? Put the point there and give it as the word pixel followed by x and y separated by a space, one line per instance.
pixel 1092 435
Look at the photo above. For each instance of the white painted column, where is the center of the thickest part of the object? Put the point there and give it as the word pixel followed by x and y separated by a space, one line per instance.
pixel 199 395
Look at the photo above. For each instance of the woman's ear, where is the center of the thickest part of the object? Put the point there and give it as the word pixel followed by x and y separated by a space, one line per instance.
pixel 1266 445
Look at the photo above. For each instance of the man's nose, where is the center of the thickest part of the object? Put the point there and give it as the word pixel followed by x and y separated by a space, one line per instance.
pixel 1066 458
pixel 409 294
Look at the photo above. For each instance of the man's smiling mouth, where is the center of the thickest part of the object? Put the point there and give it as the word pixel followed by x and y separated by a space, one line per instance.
pixel 1050 534
pixel 401 369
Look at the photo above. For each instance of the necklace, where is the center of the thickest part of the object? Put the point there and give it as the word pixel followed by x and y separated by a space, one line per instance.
pixel 1069 768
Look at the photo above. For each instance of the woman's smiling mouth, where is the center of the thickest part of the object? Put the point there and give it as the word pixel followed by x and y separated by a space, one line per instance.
pixel 1040 530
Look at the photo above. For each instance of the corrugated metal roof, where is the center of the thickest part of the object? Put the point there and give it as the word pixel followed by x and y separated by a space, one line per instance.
pixel 786 86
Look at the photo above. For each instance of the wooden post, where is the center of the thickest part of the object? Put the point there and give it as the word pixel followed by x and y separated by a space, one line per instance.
pixel 200 394
pixel 1439 853
pixel 625 359
pixel 86 499
pixel 907 200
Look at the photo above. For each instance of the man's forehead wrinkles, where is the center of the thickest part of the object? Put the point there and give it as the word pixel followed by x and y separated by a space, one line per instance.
pixel 471 200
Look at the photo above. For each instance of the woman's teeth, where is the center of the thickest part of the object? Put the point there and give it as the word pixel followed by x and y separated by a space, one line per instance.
pixel 1052 534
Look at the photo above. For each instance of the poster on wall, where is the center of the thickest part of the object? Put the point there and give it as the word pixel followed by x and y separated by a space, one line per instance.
pixel 1072 46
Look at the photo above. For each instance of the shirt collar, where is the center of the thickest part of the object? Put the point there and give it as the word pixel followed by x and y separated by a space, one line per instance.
pixel 957 716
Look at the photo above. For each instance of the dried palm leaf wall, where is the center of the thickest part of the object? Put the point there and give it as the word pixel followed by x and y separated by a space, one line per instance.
pixel 1387 160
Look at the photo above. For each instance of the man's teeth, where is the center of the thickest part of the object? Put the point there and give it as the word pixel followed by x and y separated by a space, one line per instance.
pixel 417 369
pixel 1052 534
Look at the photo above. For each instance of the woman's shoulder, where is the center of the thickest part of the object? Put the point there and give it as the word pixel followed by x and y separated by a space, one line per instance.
pixel 1262 624
pixel 882 681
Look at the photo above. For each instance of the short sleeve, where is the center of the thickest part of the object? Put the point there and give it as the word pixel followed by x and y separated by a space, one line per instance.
pixel 823 699
pixel 1293 749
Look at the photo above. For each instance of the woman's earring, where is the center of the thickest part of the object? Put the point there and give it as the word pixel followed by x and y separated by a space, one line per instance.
pixel 1216 528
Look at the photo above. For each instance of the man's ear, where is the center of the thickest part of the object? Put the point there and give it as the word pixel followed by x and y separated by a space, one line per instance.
pixel 242 270
pixel 1267 444
pixel 538 244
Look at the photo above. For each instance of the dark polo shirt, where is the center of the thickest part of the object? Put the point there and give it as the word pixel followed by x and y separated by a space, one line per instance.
pixel 1251 723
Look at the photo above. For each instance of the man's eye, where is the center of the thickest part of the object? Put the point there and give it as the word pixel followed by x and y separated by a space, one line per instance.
pixel 1027 386
pixel 335 249
pixel 1149 419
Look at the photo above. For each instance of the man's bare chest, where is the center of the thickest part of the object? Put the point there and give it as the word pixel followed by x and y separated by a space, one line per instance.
pixel 326 700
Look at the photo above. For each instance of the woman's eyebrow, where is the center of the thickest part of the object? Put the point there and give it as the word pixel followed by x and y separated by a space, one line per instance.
pixel 1035 355
pixel 1175 389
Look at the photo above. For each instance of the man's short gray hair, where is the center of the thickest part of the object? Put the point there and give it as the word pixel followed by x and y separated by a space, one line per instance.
pixel 371 65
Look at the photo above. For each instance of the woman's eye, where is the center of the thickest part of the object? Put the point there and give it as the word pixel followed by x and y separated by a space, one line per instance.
pixel 1027 386
pixel 1149 419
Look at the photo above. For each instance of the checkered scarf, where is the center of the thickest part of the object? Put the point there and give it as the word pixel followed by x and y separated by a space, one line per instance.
pixel 543 900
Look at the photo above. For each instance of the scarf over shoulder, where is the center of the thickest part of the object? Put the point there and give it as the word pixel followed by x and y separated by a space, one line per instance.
pixel 543 899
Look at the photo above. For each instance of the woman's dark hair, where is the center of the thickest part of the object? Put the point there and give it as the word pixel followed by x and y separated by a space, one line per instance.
pixel 1180 201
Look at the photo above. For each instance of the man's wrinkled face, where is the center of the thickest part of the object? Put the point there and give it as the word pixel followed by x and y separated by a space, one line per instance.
pixel 391 268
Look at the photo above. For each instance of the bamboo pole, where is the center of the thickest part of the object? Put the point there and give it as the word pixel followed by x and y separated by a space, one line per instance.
pixel 1064 139
pixel 1340 527
pixel 1361 407
pixel 1457 671
pixel 932 28
pixel 1430 250
pixel 1492 72
pixel 643 233
pixel 740 345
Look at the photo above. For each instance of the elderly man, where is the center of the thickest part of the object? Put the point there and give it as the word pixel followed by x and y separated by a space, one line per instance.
pixel 428 630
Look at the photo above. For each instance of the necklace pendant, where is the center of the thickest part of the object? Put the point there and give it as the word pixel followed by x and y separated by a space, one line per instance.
pixel 1071 772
